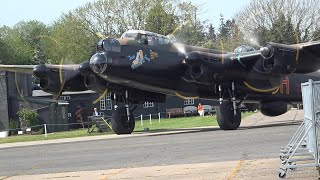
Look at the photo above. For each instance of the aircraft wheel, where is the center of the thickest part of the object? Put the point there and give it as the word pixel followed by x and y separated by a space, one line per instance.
pixel 119 121
pixel 225 117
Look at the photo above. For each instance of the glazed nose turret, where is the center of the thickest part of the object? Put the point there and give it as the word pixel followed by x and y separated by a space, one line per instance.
pixel 98 62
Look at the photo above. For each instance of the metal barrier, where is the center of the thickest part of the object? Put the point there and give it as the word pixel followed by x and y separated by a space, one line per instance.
pixel 303 148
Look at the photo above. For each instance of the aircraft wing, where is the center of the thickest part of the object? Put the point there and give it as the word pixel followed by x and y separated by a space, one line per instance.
pixel 279 58
pixel 54 79
pixel 28 69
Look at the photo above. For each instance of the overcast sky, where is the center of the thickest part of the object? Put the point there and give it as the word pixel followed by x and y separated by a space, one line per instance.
pixel 47 11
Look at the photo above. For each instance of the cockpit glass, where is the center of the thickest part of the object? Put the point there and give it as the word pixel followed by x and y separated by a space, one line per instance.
pixel 111 45
pixel 149 38
pixel 160 40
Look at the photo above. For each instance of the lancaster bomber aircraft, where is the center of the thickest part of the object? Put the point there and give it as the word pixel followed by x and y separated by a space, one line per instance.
pixel 144 66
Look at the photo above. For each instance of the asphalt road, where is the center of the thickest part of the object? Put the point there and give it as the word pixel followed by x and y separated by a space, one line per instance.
pixel 210 145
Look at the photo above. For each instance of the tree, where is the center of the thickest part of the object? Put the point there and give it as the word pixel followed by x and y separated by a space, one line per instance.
pixel 190 29
pixel 28 117
pixel 282 31
pixel 211 38
pixel 159 21
pixel 5 50
pixel 304 16
pixel 229 35
pixel 211 33
pixel 69 42
pixel 316 35
pixel 23 42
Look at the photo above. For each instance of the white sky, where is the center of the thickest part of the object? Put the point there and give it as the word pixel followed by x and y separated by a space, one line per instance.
pixel 47 11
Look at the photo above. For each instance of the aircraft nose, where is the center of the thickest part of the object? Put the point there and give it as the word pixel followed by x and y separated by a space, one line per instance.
pixel 40 71
pixel 98 63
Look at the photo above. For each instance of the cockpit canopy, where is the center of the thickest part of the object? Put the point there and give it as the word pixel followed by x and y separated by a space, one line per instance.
pixel 243 48
pixel 146 37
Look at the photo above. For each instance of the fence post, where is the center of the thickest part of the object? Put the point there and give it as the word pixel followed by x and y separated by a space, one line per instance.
pixel 159 117
pixel 45 130
pixel 150 119
pixel 169 115
pixel 141 118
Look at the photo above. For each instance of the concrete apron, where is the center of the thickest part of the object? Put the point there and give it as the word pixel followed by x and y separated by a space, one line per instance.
pixel 244 169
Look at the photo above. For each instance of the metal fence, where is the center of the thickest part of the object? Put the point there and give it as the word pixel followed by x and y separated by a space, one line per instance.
pixel 303 148
pixel 43 128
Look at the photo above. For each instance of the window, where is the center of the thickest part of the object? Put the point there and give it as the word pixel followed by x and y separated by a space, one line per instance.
pixel 148 104
pixel 189 102
pixel 101 113
pixel 69 115
pixel 65 98
pixel 108 101
pixel 160 40
pixel 103 103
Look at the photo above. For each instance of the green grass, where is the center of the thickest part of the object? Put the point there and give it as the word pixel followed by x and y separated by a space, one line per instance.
pixel 57 135
pixel 177 123
pixel 166 124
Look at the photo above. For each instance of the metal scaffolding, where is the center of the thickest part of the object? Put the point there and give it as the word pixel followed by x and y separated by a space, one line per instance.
pixel 303 148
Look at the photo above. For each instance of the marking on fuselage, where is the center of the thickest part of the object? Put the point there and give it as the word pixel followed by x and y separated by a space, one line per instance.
pixel 260 90
pixel 139 59
pixel 275 92
pixel 185 97
pixel 285 83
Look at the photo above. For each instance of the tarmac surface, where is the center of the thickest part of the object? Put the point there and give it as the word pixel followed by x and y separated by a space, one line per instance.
pixel 252 152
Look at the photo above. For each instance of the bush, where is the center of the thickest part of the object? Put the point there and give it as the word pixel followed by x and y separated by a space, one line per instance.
pixel 28 117
pixel 13 126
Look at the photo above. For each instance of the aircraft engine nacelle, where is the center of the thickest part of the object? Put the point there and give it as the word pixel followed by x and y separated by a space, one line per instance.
pixel 91 80
pixel 55 81
pixel 95 83
pixel 197 70
pixel 274 108
pixel 279 58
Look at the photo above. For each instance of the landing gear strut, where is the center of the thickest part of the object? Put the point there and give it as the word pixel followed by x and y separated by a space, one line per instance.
pixel 228 113
pixel 122 119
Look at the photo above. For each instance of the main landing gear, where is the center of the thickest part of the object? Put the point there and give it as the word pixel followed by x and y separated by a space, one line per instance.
pixel 122 119
pixel 228 113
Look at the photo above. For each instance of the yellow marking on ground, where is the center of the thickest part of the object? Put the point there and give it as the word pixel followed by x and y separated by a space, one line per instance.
pixel 105 177
pixel 235 170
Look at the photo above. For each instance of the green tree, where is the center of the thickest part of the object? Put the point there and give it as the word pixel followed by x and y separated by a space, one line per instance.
pixel 190 30
pixel 69 42
pixel 229 35
pixel 282 31
pixel 159 21
pixel 6 52
pixel 23 40
pixel 28 117
pixel 211 38
pixel 316 35
pixel 260 36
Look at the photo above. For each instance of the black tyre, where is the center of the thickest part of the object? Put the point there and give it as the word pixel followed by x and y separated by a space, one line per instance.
pixel 119 121
pixel 225 117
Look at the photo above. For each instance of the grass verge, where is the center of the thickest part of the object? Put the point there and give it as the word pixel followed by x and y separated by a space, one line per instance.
pixel 165 124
